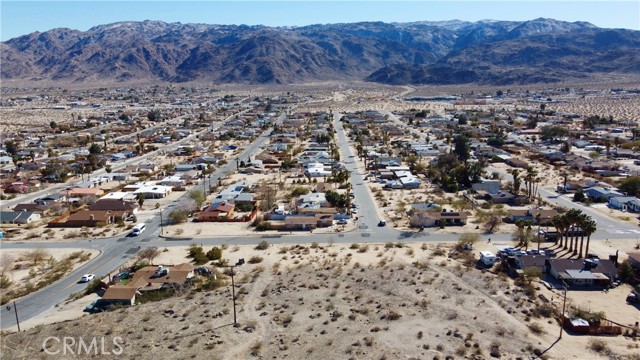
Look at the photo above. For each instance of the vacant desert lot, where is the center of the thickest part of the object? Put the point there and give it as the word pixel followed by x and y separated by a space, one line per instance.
pixel 332 302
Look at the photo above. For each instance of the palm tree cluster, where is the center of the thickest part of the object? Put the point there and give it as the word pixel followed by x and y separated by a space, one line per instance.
pixel 571 225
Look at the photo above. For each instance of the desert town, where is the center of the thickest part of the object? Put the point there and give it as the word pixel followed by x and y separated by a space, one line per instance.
pixel 450 222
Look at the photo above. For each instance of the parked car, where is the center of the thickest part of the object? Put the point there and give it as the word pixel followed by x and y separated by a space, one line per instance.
pixel 382 223
pixel 97 306
pixel 87 277
pixel 123 275
pixel 342 222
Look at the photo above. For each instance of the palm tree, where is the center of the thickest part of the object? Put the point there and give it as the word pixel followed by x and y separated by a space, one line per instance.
pixel 557 223
pixel 582 220
pixel 573 216
pixel 516 181
pixel 589 228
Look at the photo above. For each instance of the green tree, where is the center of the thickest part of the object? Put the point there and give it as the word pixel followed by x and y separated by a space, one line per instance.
pixel 553 133
pixel 95 149
pixel 197 195
pixel 140 199
pixel 214 254
pixel 626 272
pixel 11 147
pixel 336 199
pixel 154 115
pixel 462 148
pixel 631 186
pixel 177 216
pixel 589 227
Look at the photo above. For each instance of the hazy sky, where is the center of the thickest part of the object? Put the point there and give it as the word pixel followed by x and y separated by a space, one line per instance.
pixel 25 16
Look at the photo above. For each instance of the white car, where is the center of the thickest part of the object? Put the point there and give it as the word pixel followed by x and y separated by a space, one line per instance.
pixel 87 278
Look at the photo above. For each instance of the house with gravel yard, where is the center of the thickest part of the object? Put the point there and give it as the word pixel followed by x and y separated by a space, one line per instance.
pixel 579 272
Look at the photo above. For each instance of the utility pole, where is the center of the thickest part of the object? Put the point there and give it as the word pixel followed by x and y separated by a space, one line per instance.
pixel 564 303
pixel 15 309
pixel 233 294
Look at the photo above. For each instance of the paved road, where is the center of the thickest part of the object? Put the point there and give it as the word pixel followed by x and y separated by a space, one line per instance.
pixel 368 216
pixel 114 252
pixel 608 228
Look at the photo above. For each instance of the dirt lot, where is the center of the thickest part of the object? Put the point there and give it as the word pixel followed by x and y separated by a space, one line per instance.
pixel 347 301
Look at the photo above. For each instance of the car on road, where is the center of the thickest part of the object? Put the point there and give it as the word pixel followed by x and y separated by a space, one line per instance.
pixel 87 277
pixel 382 223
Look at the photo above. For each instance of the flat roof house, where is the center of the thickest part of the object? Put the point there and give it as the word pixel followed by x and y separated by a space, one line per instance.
pixel 582 272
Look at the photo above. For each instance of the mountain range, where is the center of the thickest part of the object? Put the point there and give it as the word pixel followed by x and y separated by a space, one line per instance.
pixel 446 52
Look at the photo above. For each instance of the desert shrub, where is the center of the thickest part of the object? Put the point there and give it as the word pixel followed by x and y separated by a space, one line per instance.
pixel 4 282
pixel 263 245
pixel 599 345
pixel 263 226
pixel 392 315
pixel 214 254
pixel 213 283
pixel 198 255
pixel 177 216
pixel 255 260
pixel 536 328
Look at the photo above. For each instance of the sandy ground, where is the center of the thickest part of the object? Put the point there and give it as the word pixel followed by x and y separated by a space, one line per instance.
pixel 336 301
pixel 22 273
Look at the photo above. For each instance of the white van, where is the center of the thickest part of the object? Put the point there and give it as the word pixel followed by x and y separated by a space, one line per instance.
pixel 138 229
pixel 488 258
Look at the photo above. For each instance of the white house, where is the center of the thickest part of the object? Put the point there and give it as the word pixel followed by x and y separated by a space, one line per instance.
pixel 317 170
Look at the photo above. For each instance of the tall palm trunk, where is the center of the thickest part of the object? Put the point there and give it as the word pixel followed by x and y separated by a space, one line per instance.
pixel 573 231
pixel 581 244
pixel 586 251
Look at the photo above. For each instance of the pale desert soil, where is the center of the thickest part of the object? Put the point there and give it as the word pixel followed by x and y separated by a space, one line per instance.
pixel 334 302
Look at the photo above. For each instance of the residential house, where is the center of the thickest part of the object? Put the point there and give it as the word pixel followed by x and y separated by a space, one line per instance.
pixel 216 211
pixel 531 215
pixel 625 203
pixel 497 197
pixel 152 278
pixel 119 195
pixel 579 272
pixel 517 163
pixel 82 192
pixel 120 294
pixel 93 218
pixel 153 191
pixel 19 217
pixel 532 261
pixel 300 222
pixel 312 200
pixel 486 185
pixel 31 207
pixel 50 199
pixel 598 193
pixel 172 181
pixel 17 187
pixel 115 205
pixel 444 218
pixel 421 207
